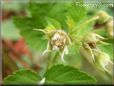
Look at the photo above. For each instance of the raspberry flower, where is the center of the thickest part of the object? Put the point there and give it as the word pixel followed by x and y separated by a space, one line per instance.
pixel 90 42
pixel 58 40
pixel 93 54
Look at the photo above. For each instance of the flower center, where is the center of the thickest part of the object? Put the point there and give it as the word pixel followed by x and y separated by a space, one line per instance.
pixel 58 41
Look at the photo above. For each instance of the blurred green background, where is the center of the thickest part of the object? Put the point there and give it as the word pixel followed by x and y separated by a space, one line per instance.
pixel 17 54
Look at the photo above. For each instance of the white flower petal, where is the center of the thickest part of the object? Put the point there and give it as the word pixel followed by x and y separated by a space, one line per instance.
pixel 55 48
pixel 56 36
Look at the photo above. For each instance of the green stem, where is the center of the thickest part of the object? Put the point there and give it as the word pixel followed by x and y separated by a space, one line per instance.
pixel 49 62
pixel 55 58
pixel 52 61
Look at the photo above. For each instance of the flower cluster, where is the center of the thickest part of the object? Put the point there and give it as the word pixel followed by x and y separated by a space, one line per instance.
pixel 58 40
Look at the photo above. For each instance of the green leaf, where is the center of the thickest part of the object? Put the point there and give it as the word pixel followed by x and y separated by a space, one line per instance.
pixel 52 24
pixel 60 74
pixel 78 13
pixel 67 9
pixel 57 11
pixel 70 22
pixel 23 76
pixel 39 12
pixel 23 22
pixel 35 39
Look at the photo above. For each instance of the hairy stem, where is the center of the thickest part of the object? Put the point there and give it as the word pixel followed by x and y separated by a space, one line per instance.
pixel 86 22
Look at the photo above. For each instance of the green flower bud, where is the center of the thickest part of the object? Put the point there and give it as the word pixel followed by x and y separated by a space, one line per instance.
pixel 109 28
pixel 102 60
pixel 89 44
pixel 103 17
pixel 97 58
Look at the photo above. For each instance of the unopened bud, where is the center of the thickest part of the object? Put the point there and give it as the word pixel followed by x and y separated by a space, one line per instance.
pixel 103 17
pixel 89 43
pixel 102 60
pixel 109 28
